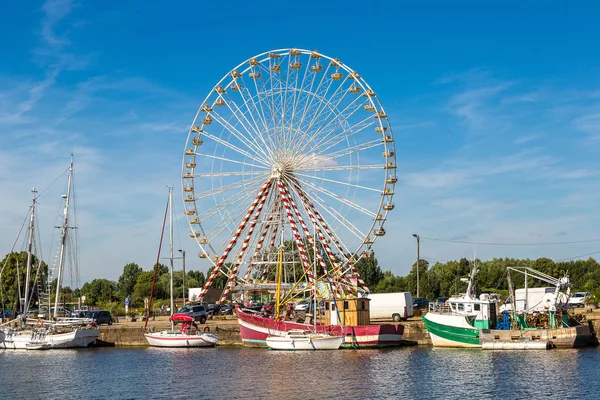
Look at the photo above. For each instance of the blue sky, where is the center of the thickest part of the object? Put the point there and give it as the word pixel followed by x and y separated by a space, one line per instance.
pixel 495 109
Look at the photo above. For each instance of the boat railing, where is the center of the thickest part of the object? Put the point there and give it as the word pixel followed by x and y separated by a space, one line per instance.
pixel 440 308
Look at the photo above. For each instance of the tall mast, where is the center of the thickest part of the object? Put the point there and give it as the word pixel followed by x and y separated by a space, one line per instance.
pixel 26 299
pixel 171 247
pixel 63 240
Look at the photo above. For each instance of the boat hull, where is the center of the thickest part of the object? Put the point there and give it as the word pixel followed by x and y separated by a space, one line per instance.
pixel 42 339
pixel 304 342
pixel 180 339
pixel 254 330
pixel 451 330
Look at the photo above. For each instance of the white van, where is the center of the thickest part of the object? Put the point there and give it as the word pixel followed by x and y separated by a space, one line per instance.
pixel 396 306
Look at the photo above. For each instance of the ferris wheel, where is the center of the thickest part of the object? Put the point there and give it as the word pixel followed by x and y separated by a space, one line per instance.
pixel 289 146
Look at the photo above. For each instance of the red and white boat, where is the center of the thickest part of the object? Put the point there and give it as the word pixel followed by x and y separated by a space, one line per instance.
pixel 255 328
pixel 187 336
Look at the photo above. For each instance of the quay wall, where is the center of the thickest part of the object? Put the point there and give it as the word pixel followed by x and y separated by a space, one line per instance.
pixel 229 333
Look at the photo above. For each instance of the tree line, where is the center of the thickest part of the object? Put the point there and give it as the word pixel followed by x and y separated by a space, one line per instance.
pixel 439 279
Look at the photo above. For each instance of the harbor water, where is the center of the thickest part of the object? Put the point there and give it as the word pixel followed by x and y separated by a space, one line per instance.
pixel 240 373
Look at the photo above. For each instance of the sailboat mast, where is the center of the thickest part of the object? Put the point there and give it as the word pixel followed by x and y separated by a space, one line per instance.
pixel 25 306
pixel 171 246
pixel 63 240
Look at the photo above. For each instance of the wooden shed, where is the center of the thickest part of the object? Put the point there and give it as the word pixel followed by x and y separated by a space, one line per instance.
pixel 352 312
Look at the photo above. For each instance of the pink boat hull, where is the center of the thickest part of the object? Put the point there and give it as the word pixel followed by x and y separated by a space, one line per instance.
pixel 254 330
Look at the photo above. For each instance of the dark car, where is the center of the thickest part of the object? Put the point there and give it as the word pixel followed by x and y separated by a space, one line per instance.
pixel 197 312
pixel 226 309
pixel 101 317
pixel 213 309
pixel 420 303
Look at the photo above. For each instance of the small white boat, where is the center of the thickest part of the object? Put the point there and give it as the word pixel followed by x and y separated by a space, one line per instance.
pixel 304 340
pixel 170 338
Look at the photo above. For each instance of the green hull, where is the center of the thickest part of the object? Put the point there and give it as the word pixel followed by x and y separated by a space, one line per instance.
pixel 461 336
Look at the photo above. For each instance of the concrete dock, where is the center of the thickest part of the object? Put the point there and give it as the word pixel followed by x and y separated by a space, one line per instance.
pixel 128 333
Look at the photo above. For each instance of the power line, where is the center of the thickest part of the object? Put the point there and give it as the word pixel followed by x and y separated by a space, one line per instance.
pixel 511 244
pixel 579 256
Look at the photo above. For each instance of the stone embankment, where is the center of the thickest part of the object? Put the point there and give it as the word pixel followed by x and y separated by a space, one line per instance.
pixel 127 333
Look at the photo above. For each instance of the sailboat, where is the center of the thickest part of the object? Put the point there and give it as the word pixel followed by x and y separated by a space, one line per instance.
pixel 189 335
pixel 303 339
pixel 52 332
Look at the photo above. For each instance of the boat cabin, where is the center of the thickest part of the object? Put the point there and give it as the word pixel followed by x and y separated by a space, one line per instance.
pixel 480 312
pixel 347 312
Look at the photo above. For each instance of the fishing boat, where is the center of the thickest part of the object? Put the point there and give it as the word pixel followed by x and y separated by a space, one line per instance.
pixel 189 335
pixel 48 331
pixel 471 321
pixel 255 328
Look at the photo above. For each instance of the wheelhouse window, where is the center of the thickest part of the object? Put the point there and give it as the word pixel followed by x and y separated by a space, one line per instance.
pixel 477 307
pixel 461 307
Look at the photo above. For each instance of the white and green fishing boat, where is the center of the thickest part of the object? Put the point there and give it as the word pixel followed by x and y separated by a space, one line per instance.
pixel 473 321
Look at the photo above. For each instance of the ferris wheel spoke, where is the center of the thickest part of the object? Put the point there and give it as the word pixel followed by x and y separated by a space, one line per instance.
pixel 339 198
pixel 332 211
pixel 230 202
pixel 340 117
pixel 249 103
pixel 258 157
pixel 256 181
pixel 247 139
pixel 231 173
pixel 248 126
pixel 320 178
pixel 312 95
pixel 352 149
pixel 229 160
pixel 343 167
pixel 328 141
pixel 325 104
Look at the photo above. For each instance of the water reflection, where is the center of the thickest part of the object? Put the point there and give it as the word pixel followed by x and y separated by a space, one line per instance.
pixel 412 373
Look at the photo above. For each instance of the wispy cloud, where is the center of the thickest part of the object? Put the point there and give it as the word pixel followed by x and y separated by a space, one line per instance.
pixel 527 139
pixel 54 12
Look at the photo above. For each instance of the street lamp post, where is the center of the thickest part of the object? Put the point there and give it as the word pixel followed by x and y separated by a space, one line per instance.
pixel 183 258
pixel 418 258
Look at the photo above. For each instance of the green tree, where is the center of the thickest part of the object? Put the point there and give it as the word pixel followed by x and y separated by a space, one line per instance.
pixel 99 290
pixel 10 290
pixel 128 279
pixel 369 270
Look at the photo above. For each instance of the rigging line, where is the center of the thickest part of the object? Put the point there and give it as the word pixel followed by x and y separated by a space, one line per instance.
pixel 581 255
pixel 44 191
pixel 511 244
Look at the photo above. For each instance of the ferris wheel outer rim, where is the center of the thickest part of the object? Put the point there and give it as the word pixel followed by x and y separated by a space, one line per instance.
pixel 207 247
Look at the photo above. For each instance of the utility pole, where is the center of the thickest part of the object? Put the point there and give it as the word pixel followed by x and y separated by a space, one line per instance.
pixel 418 258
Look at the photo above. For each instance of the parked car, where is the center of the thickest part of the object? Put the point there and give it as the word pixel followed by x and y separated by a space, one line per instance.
pixel 578 299
pixel 213 309
pixel 420 303
pixel 197 312
pixel 101 317
pixel 226 309
pixel 303 305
